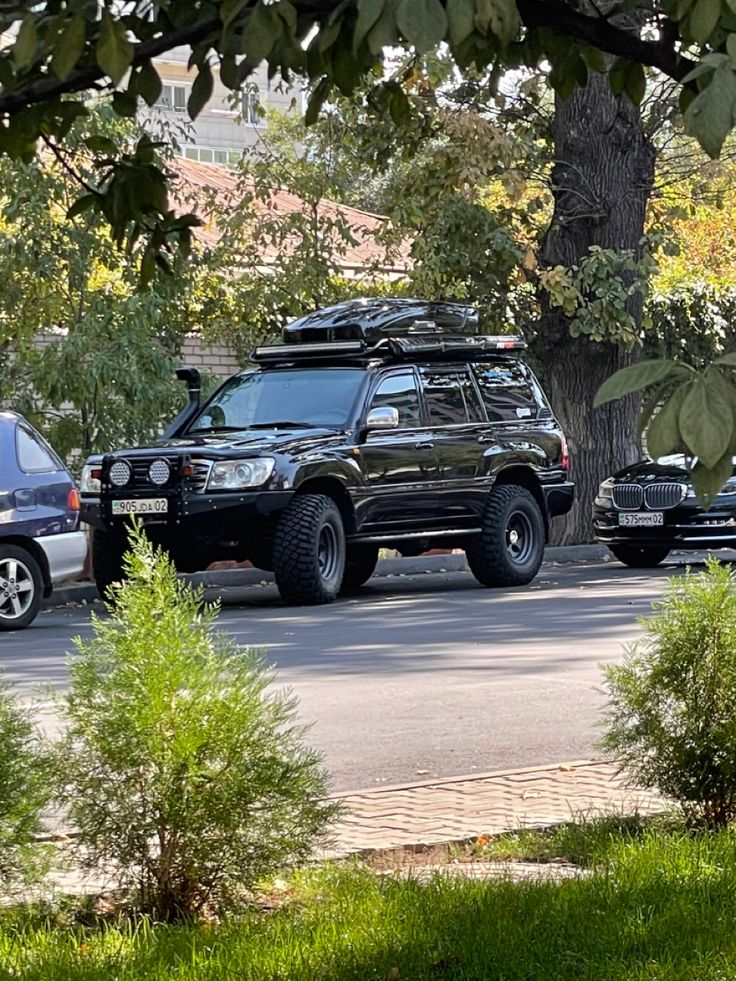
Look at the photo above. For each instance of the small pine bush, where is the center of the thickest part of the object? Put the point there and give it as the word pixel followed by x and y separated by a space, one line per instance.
pixel 181 770
pixel 25 789
pixel 671 720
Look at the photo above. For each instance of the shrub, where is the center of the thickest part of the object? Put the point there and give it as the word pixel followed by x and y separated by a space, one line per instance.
pixel 182 772
pixel 672 715
pixel 24 792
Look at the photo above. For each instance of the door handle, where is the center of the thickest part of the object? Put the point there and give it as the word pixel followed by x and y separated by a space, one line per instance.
pixel 426 445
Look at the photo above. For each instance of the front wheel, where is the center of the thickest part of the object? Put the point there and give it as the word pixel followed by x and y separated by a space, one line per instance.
pixel 108 549
pixel 21 588
pixel 309 550
pixel 510 548
pixel 640 557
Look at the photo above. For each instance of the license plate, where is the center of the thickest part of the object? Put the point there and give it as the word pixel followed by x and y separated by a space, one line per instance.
pixel 641 519
pixel 142 505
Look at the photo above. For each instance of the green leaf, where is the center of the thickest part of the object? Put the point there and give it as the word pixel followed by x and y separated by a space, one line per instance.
pixel 81 205
pixel 317 100
pixel 663 433
pixel 636 83
pixel 69 47
pixel 706 422
pixel 149 83
pixel 710 115
pixel 505 21
pixel 384 32
pixel 461 19
pixel 124 104
pixel 201 91
pixel 731 4
pixel 260 33
pixel 708 481
pixel 113 52
pixel 728 359
pixel 101 144
pixel 632 379
pixel 368 13
pixel 703 19
pixel 422 22
pixel 230 9
pixel 26 43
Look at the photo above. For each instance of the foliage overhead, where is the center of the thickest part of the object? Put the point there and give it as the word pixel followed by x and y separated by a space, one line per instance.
pixel 58 52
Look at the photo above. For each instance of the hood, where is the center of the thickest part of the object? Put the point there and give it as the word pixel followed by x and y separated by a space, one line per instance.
pixel 248 442
pixel 666 467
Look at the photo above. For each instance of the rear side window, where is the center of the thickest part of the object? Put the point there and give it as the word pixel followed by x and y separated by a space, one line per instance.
pixel 34 453
pixel 451 398
pixel 506 391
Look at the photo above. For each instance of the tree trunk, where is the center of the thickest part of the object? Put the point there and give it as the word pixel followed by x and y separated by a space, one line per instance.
pixel 602 179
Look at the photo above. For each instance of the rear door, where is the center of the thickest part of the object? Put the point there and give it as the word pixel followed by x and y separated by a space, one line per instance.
pixel 457 423
pixel 399 465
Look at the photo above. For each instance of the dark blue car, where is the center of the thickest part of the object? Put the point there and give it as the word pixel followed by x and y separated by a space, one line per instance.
pixel 40 541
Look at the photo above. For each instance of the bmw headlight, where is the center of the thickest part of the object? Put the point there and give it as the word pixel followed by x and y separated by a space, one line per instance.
pixel 604 497
pixel 90 482
pixel 237 474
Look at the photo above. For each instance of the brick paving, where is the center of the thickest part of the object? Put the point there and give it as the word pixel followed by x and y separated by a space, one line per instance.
pixel 461 808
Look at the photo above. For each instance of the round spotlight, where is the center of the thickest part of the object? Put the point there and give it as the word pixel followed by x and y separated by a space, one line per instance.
pixel 120 473
pixel 159 472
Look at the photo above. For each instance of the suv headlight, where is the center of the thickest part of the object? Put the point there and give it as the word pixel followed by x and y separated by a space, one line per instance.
pixel 90 481
pixel 604 497
pixel 236 474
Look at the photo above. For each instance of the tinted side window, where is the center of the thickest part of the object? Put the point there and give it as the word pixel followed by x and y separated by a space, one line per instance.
pixel 451 398
pixel 506 391
pixel 400 392
pixel 34 454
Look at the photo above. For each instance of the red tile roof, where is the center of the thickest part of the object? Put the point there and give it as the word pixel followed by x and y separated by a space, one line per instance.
pixel 196 183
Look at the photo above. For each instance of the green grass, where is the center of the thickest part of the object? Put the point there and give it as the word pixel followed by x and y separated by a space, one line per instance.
pixel 658 906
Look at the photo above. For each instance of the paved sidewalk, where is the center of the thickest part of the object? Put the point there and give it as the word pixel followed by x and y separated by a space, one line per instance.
pixel 460 808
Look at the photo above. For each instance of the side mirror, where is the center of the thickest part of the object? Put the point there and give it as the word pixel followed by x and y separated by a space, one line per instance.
pixel 384 417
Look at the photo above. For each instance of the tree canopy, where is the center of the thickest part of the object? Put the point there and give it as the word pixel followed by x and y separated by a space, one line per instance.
pixel 57 52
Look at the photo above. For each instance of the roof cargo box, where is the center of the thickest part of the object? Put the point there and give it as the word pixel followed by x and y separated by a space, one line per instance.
pixel 373 319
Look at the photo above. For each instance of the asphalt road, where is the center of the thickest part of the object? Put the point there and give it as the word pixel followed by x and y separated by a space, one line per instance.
pixel 423 675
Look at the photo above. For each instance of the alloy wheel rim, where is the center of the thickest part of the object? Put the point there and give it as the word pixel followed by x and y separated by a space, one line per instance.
pixel 17 589
pixel 327 553
pixel 519 537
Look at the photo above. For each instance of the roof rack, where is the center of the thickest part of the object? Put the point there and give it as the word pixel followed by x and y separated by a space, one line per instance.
pixel 429 348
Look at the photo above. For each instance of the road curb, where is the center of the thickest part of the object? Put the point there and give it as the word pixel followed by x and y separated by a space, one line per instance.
pixel 86 592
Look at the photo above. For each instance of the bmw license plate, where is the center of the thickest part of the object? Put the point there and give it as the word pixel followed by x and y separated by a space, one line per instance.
pixel 641 519
pixel 142 505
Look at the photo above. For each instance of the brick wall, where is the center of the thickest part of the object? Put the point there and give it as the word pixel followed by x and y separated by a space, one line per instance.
pixel 215 359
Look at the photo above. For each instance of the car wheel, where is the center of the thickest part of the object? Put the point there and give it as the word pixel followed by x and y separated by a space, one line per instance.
pixel 510 548
pixel 21 588
pixel 640 557
pixel 108 549
pixel 360 564
pixel 309 550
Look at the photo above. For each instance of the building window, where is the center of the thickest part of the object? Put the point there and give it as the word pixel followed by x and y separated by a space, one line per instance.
pixel 250 104
pixel 207 154
pixel 173 97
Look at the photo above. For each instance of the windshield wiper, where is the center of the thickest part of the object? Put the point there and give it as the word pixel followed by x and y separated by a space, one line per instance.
pixel 217 429
pixel 282 424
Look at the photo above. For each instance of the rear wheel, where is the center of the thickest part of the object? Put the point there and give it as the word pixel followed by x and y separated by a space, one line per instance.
pixel 360 564
pixel 309 550
pixel 21 587
pixel 108 549
pixel 640 557
pixel 510 548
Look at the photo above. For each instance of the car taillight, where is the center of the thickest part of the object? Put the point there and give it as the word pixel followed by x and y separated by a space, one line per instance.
pixel 564 454
pixel 72 502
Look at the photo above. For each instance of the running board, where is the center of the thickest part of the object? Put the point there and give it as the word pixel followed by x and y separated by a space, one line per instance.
pixel 399 537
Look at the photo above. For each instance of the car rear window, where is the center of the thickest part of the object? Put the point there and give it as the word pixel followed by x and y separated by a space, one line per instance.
pixel 34 453
pixel 451 398
pixel 506 391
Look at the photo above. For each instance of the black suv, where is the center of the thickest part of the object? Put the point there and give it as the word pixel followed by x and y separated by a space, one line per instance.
pixel 377 423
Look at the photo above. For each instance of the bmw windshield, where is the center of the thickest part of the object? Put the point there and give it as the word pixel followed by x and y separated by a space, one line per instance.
pixel 287 398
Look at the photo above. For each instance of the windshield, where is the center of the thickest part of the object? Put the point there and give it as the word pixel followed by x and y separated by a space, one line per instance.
pixel 308 397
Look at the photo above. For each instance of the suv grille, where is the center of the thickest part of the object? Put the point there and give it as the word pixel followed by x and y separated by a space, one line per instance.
pixel 198 481
pixel 659 497
pixel 628 497
pixel 656 497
